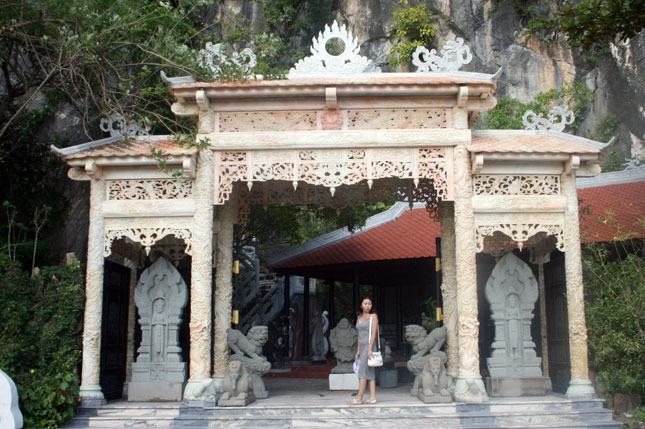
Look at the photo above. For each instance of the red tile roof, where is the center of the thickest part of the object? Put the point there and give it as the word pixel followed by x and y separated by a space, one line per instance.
pixel 411 235
pixel 620 205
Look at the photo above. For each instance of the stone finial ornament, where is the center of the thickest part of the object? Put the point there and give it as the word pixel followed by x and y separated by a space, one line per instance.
pixel 533 121
pixel 237 386
pixel 118 128
pixel 423 345
pixel 434 381
pixel 343 339
pixel 248 350
pixel 453 56
pixel 213 58
pixel 322 61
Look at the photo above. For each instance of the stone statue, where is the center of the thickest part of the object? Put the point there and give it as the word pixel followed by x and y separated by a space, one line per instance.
pixel 434 381
pixel 343 339
pixel 248 350
pixel 514 367
pixel 423 345
pixel 237 386
pixel 10 415
pixel 160 296
pixel 319 342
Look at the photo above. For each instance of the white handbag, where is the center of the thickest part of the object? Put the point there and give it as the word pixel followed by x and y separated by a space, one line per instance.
pixel 377 359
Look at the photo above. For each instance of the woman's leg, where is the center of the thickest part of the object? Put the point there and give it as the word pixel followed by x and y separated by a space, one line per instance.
pixel 372 390
pixel 362 384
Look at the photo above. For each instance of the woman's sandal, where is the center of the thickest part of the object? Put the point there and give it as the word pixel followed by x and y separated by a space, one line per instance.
pixel 355 402
pixel 370 401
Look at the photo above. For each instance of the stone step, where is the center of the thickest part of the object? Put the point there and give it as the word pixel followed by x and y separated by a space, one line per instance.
pixel 362 416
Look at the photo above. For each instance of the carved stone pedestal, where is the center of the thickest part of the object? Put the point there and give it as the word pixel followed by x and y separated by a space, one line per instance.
pixel 155 390
pixel 515 386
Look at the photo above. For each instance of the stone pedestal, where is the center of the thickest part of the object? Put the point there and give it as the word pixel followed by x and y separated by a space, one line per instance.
pixel 388 377
pixel 236 402
pixel 516 386
pixel 155 390
pixel 347 381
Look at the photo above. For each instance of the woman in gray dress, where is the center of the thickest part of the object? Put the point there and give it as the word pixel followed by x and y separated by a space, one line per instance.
pixel 364 352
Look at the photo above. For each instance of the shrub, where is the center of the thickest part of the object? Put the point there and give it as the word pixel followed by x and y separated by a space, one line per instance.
pixel 39 329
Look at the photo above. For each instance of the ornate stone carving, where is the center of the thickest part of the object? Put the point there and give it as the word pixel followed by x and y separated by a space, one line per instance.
pixel 119 129
pixel 516 184
pixel 248 350
pixel 322 61
pixel 149 189
pixel 161 295
pixel 453 56
pixel 147 237
pixel 511 291
pixel 237 386
pixel 423 345
pixel 449 284
pixel 434 382
pixel 343 339
pixel 332 167
pixel 533 121
pixel 519 233
pixel 267 121
pixel 213 57
pixel 398 119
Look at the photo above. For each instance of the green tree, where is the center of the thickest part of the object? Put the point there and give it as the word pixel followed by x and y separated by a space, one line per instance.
pixel 415 26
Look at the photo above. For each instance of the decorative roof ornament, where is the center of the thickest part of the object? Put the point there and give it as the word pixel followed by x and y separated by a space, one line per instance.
pixel 323 61
pixel 119 129
pixel 533 121
pixel 213 58
pixel 632 164
pixel 453 56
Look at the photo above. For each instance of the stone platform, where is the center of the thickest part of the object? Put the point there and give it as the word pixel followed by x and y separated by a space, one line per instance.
pixel 310 404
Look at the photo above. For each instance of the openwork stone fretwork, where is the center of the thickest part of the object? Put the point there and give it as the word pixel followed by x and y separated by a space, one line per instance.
pixel 516 184
pixel 213 58
pixel 398 119
pixel 331 168
pixel 322 61
pixel 519 233
pixel 453 56
pixel 149 189
pixel 533 121
pixel 118 128
pixel 147 237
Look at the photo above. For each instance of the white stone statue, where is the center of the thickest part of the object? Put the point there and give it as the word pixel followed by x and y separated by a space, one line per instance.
pixel 319 343
pixel 161 295
pixel 10 415
pixel 511 292
pixel 248 350
pixel 423 346
pixel 434 381
pixel 344 340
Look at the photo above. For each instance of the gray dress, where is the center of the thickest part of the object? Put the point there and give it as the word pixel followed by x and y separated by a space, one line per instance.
pixel 364 371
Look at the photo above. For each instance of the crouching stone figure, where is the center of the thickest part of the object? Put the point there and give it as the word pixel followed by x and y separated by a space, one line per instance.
pixel 237 386
pixel 433 381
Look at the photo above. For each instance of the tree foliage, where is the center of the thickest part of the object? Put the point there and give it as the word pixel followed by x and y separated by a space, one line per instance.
pixel 414 26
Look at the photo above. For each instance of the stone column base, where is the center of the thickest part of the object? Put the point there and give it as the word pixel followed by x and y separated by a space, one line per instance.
pixel 200 393
pixel 155 390
pixel 515 386
pixel 580 389
pixel 470 388
pixel 91 396
pixel 348 381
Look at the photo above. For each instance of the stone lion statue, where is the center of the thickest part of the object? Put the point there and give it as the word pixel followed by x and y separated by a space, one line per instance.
pixel 248 350
pixel 423 344
pixel 237 385
pixel 433 381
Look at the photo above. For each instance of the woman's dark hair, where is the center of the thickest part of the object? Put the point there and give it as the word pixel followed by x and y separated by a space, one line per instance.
pixel 360 306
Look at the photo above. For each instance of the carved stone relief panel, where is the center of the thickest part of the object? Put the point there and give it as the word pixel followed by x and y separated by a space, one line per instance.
pixel 267 121
pixel 536 184
pixel 398 119
pixel 147 237
pixel 517 233
pixel 149 189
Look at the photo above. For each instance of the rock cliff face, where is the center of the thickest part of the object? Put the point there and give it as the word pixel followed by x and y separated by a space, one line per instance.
pixel 528 67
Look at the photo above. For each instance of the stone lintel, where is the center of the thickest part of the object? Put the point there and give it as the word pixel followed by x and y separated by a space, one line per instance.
pixel 149 208
pixel 519 203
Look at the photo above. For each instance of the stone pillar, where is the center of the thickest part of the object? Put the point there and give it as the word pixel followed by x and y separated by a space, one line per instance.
pixel 449 285
pixel 201 279
pixel 580 385
pixel 223 287
pixel 469 386
pixel 90 391
pixel 132 315
pixel 541 260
